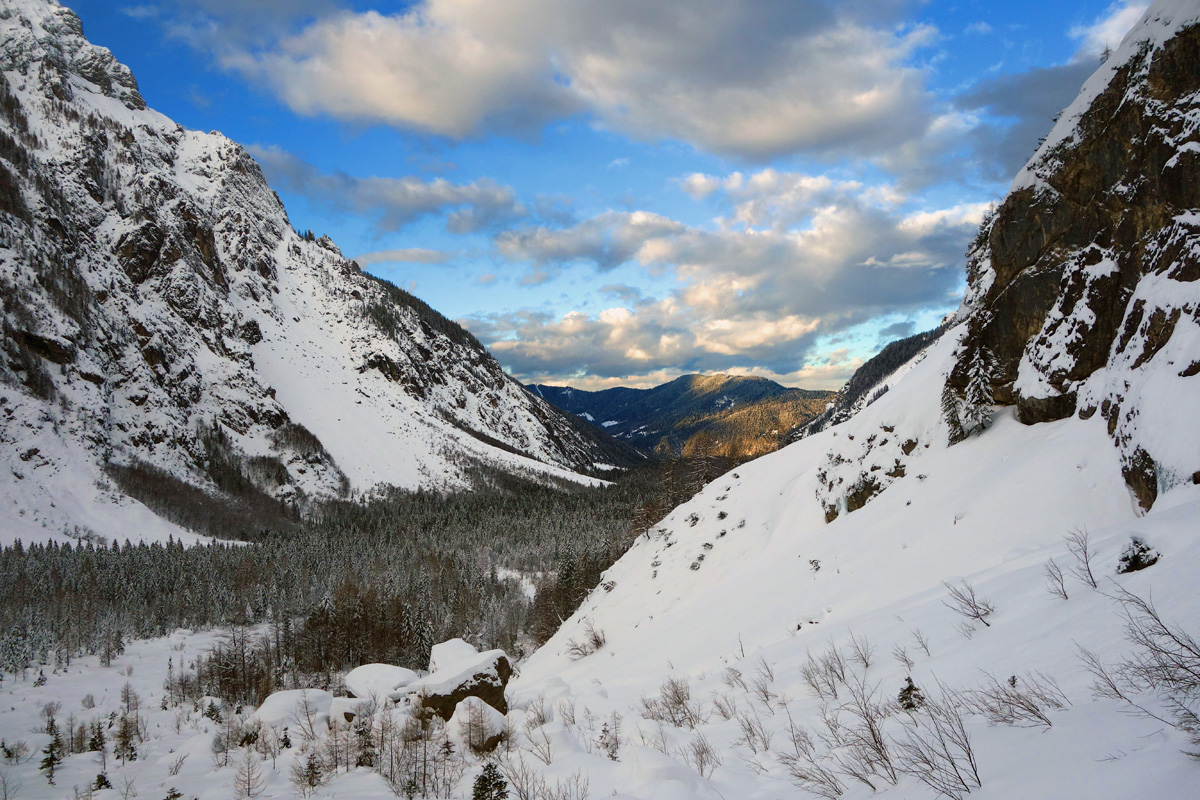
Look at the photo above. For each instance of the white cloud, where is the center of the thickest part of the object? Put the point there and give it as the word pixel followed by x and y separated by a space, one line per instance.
pixel 820 257
pixel 1108 30
pixel 408 255
pixel 392 203
pixel 756 78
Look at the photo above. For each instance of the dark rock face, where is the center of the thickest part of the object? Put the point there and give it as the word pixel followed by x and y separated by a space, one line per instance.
pixel 487 684
pixel 1070 282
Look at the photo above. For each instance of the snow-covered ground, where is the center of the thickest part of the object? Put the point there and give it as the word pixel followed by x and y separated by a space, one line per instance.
pixel 777 584
pixel 748 577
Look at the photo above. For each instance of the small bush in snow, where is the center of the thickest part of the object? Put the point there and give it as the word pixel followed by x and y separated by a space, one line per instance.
pixel 1137 555
pixel 593 639
pixel 674 705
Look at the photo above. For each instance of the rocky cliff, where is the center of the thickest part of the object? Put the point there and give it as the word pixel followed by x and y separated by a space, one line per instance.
pixel 1085 284
pixel 160 314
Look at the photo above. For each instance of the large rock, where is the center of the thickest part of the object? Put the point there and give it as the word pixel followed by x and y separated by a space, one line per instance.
pixel 450 654
pixel 378 681
pixel 476 726
pixel 1082 285
pixel 484 676
pixel 287 708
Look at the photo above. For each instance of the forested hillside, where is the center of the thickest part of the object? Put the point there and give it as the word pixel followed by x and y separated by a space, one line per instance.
pixel 734 417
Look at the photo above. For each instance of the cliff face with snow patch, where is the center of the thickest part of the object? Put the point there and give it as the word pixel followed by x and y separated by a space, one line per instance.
pixel 1086 283
pixel 160 311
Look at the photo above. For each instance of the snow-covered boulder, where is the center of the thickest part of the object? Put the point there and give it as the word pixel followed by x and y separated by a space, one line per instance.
pixel 303 710
pixel 377 680
pixel 484 676
pixel 476 726
pixel 450 654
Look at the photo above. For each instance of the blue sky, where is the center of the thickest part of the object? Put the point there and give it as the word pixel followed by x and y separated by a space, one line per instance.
pixel 620 192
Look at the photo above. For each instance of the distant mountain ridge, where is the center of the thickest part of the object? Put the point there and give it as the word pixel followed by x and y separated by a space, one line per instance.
pixel 742 416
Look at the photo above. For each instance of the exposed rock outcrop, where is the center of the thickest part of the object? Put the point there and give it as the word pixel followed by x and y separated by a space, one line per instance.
pixel 1084 284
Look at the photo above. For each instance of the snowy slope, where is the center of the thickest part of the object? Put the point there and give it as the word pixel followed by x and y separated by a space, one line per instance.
pixel 855 532
pixel 737 585
pixel 160 310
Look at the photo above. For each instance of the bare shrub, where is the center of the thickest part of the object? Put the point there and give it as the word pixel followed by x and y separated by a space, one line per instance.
pixel 593 639
pixel 566 711
pixel 539 745
pixel 725 705
pixel 9 786
pixel 807 769
pixel 16 752
pixel 88 701
pixel 733 679
pixel 1022 702
pixel 1056 583
pixel 1079 545
pixel 936 749
pixel 524 781
pixel 176 765
pixel 575 787
pixel 861 650
pixel 1166 660
pixel 900 653
pixel 701 756
pixel 760 684
pixel 921 640
pixel 865 752
pixel 964 601
pixel 536 713
pixel 966 629
pixel 834 664
pixel 674 705
pixel 754 734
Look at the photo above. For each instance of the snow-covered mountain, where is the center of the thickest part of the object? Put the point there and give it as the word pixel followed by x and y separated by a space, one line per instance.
pixel 160 313
pixel 742 415
pixel 756 642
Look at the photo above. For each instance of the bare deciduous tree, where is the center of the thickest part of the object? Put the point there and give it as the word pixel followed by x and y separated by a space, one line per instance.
pixel 1079 544
pixel 249 783
pixel 937 750
pixel 964 601
pixel 1056 583
pixel 807 769
pixel 921 640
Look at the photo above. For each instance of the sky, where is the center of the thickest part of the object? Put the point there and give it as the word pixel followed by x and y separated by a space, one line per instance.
pixel 619 192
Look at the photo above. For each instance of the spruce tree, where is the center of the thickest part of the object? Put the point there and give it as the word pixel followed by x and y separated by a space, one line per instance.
pixel 950 413
pixel 52 755
pixel 910 698
pixel 979 399
pixel 490 785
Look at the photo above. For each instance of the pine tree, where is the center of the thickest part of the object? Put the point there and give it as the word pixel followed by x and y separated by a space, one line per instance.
pixel 910 698
pixel 490 785
pixel 978 410
pixel 52 756
pixel 950 413
pixel 124 748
